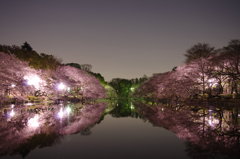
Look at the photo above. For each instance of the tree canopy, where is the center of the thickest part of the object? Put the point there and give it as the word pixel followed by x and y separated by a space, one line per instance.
pixel 200 50
pixel 26 47
pixel 35 59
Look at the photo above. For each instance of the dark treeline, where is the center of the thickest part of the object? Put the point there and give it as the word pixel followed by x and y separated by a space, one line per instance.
pixel 124 87
pixel 35 59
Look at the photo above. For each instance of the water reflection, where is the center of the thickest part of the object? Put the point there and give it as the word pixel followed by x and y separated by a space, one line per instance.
pixel 208 132
pixel 24 128
pixel 124 108
pixel 12 113
pixel 33 122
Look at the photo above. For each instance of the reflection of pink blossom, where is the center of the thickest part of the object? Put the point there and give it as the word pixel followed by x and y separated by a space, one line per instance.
pixel 34 122
pixel 27 124
pixel 60 113
pixel 64 112
pixel 12 113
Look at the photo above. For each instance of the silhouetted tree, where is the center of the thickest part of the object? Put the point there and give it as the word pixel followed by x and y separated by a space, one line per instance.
pixel 86 67
pixel 174 68
pixel 76 65
pixel 198 51
pixel 26 47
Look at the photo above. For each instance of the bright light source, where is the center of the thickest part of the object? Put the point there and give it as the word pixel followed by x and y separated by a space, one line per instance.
pixel 68 89
pixel 33 80
pixel 212 82
pixel 34 122
pixel 13 85
pixel 131 107
pixel 12 105
pixel 12 113
pixel 61 86
pixel 212 121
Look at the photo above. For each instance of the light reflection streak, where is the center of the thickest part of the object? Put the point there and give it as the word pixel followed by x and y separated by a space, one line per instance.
pixel 12 105
pixel 28 104
pixel 68 110
pixel 62 113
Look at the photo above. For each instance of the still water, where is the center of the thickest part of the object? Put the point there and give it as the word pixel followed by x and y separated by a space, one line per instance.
pixel 122 129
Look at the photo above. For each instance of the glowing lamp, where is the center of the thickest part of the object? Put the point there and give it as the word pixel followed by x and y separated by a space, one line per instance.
pixel 212 82
pixel 61 86
pixel 212 121
pixel 33 80
pixel 68 89
pixel 12 113
pixel 34 122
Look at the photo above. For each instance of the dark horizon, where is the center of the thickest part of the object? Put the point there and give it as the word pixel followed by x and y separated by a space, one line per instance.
pixel 124 39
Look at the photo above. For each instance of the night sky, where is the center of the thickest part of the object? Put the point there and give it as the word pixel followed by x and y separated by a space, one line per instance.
pixel 120 38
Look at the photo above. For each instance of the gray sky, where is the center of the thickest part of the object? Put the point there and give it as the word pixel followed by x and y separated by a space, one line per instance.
pixel 120 38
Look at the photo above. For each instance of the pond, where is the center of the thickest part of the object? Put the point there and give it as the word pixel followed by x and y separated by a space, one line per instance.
pixel 119 129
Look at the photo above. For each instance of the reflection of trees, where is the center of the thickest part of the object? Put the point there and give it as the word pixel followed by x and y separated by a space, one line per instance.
pixel 19 136
pixel 208 131
pixel 86 132
pixel 124 108
pixel 37 141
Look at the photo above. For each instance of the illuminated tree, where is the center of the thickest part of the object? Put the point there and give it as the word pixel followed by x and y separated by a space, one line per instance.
pixel 122 86
pixel 231 56
pixel 199 54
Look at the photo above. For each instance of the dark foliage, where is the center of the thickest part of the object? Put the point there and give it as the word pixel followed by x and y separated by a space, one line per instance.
pixel 35 60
